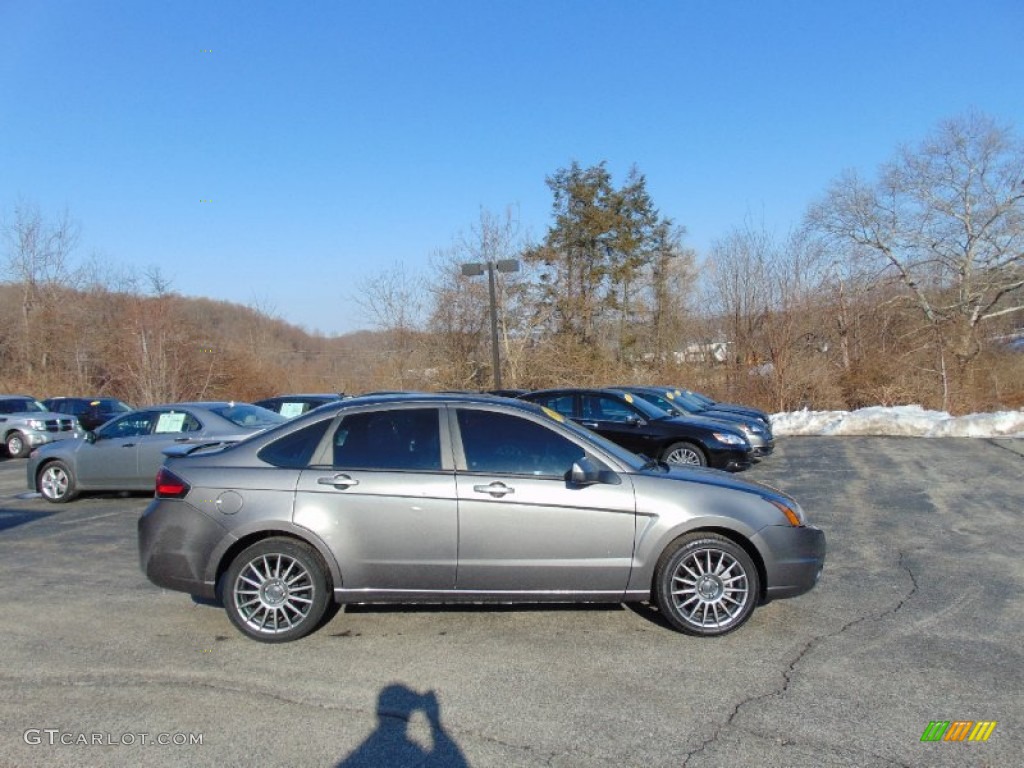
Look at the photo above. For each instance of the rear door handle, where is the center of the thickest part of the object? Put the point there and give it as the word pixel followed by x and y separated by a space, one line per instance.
pixel 495 489
pixel 589 424
pixel 338 481
pixel 127 445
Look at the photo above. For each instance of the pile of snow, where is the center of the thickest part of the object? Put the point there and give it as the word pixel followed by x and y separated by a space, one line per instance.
pixel 905 420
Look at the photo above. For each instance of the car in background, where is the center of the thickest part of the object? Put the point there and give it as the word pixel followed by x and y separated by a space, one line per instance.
pixel 703 400
pixel 463 498
pixel 760 435
pixel 644 428
pixel 291 406
pixel 25 423
pixel 91 412
pixel 124 454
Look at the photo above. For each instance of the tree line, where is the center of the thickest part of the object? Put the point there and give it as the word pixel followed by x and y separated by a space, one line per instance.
pixel 903 287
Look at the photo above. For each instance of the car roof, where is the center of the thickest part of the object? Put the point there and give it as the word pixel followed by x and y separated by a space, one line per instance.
pixel 431 398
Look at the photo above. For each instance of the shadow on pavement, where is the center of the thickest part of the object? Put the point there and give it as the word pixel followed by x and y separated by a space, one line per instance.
pixel 11 518
pixel 391 744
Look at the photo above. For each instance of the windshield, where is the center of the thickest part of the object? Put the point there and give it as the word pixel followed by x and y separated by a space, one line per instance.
pixel 650 410
pixel 246 415
pixel 21 405
pixel 690 403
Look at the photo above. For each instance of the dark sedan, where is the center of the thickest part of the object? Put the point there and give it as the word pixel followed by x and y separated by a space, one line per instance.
pixel 646 429
pixel 291 406
pixel 758 432
pixel 703 400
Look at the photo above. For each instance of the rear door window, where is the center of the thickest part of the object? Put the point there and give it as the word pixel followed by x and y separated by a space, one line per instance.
pixel 395 439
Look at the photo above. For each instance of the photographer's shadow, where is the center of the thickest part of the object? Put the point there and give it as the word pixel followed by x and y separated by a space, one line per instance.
pixel 391 744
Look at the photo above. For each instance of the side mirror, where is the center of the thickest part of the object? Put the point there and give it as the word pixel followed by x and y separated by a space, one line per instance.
pixel 585 472
pixel 90 437
pixel 636 421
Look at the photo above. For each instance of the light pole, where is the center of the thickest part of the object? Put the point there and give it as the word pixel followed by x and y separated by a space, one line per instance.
pixel 475 269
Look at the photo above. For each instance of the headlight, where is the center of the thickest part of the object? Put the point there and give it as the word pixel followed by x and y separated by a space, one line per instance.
pixel 793 514
pixel 38 424
pixel 724 437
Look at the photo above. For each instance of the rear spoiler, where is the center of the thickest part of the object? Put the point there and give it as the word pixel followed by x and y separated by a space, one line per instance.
pixel 187 449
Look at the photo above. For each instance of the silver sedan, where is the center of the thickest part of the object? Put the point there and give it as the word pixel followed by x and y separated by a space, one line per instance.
pixel 124 454
pixel 444 498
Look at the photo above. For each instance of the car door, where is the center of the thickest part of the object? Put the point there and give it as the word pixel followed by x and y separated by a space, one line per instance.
pixel 111 460
pixel 524 529
pixel 619 421
pixel 169 427
pixel 383 499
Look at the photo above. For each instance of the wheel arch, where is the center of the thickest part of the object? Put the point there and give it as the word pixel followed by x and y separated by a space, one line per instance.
pixel 228 551
pixel 736 538
pixel 645 580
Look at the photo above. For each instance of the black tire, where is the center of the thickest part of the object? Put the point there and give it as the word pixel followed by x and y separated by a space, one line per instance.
pixel 706 585
pixel 684 454
pixel 276 590
pixel 17 446
pixel 56 482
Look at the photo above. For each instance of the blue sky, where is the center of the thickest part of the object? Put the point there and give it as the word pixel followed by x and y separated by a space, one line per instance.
pixel 333 140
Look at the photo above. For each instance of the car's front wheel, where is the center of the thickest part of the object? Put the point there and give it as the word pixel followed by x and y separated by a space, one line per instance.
pixel 684 453
pixel 56 482
pixel 706 584
pixel 17 445
pixel 276 590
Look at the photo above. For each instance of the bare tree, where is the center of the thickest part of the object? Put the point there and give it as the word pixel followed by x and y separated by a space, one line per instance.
pixel 38 256
pixel 945 221
pixel 394 300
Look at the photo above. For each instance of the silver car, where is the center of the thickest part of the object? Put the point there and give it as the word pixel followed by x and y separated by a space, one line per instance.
pixel 445 498
pixel 124 454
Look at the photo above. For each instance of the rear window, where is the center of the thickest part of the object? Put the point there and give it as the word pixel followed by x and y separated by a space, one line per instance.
pixel 246 415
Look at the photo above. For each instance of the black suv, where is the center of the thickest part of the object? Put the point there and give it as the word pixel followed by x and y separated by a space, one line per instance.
pixel 644 428
pixel 92 412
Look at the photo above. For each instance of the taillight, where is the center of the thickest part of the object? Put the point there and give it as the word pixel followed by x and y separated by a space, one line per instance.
pixel 170 486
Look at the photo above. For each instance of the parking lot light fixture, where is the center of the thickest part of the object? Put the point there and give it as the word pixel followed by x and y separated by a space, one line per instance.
pixel 475 269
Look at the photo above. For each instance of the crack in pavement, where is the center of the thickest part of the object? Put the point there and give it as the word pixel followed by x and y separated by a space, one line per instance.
pixel 790 670
pixel 1004 445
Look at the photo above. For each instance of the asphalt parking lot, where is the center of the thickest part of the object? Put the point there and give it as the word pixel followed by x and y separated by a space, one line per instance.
pixel 918 618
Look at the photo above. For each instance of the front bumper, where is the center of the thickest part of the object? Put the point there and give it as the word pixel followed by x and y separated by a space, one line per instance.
pixel 793 559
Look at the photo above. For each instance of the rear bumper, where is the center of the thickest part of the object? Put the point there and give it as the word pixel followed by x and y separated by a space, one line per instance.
pixel 175 544
pixel 793 559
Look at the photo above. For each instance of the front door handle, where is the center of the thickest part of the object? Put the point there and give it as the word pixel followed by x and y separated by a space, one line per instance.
pixel 338 481
pixel 589 424
pixel 496 489
pixel 127 445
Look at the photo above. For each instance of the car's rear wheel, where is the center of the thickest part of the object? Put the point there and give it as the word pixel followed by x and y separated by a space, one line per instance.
pixel 706 585
pixel 684 453
pixel 17 445
pixel 276 590
pixel 56 482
